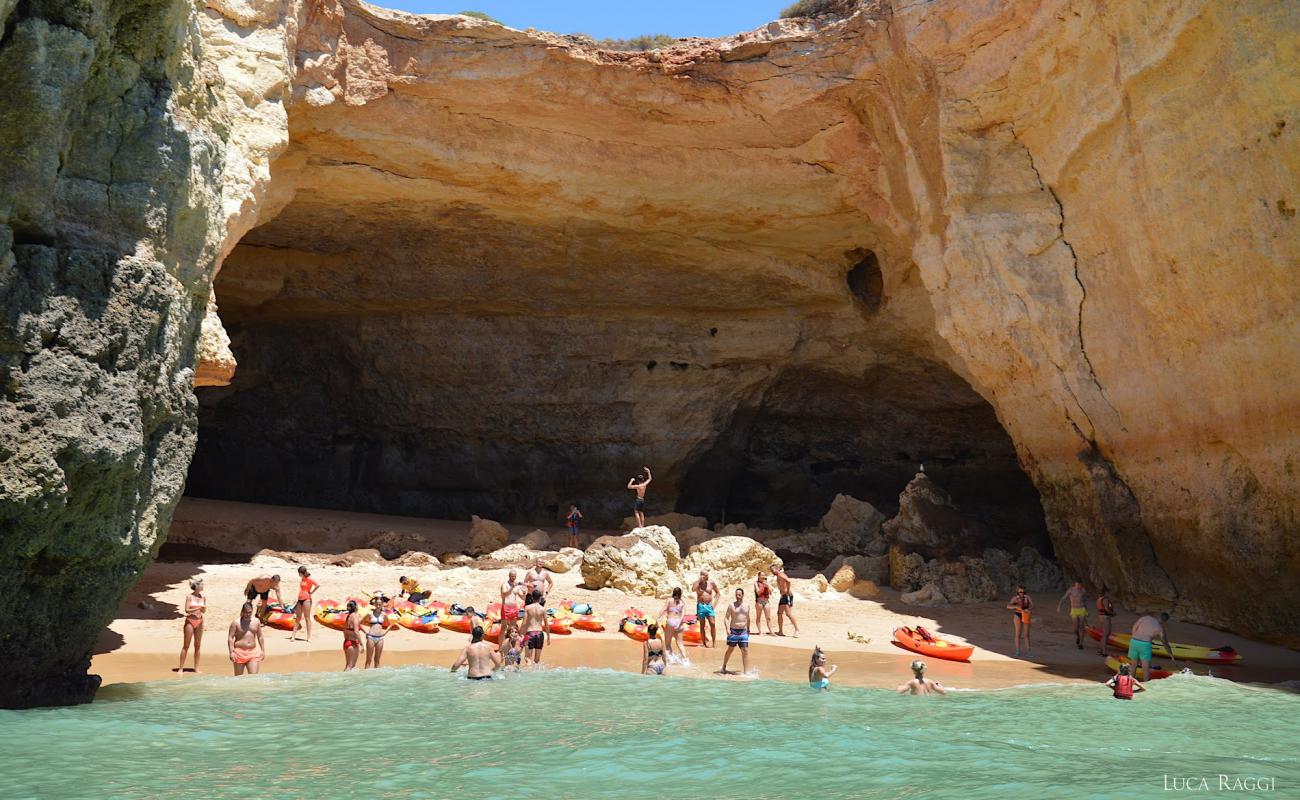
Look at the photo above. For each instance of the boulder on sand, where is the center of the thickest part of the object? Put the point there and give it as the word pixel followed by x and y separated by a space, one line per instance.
pixel 628 563
pixel 693 536
pixel 731 561
pixel 485 535
pixel 563 561
pixel 536 540
pixel 927 595
pixel 392 544
pixel 673 521
pixel 928 522
pixel 661 539
pixel 849 526
pixel 843 578
pixel 416 558
pixel 354 557
pixel 865 568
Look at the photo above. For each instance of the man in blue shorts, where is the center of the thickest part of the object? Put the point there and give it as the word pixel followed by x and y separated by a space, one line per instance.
pixel 705 593
pixel 737 620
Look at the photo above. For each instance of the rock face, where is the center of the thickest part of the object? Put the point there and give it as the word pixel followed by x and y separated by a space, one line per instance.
pixel 1041 235
pixel 972 579
pixel 929 523
pixel 628 563
pixel 485 535
pixel 850 526
pixel 731 561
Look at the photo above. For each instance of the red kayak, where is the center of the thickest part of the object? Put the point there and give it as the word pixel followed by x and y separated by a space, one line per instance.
pixel 919 640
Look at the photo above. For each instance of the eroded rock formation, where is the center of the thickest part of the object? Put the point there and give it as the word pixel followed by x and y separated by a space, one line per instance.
pixel 497 271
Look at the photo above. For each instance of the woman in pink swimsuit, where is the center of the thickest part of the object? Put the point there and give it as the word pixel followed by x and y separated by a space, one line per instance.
pixel 192 626
pixel 673 625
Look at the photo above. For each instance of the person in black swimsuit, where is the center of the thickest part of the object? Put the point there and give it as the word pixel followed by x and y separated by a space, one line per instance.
pixel 652 652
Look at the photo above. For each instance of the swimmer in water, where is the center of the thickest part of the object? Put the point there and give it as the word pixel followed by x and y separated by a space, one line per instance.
pixel 652 652
pixel 480 656
pixel 919 684
pixel 819 671
pixel 1124 684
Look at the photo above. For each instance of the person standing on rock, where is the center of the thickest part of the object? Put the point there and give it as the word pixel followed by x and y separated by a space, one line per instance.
pixel 512 592
pixel 1106 615
pixel 302 609
pixel 260 588
pixel 572 518
pixel 1145 631
pixel 196 603
pixel 244 642
pixel 705 592
pixel 1021 608
pixel 536 631
pixel 737 621
pixel 763 593
pixel 1078 610
pixel 785 604
pixel 638 485
pixel 539 580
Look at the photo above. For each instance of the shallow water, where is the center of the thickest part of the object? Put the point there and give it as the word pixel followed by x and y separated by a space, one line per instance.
pixel 422 732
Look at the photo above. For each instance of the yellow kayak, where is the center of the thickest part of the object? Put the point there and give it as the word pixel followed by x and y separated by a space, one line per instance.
pixel 1186 652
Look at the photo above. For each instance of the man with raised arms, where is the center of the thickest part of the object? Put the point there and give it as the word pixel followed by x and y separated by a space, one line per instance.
pixel 536 632
pixel 705 593
pixel 785 603
pixel 737 621
pixel 482 658
pixel 638 485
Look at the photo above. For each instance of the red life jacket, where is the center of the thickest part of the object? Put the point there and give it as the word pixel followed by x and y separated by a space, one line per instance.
pixel 1124 687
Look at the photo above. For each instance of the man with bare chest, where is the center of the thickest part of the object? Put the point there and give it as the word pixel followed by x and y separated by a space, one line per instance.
pixel 705 593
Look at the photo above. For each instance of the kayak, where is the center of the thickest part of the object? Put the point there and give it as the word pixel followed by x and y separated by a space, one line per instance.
pixel 634 629
pixel 425 623
pixel 331 613
pixel 919 640
pixel 587 622
pixel 460 623
pixel 1156 671
pixel 559 627
pixel 1185 652
pixel 280 616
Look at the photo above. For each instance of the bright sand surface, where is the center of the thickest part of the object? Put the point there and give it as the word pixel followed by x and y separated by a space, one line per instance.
pixel 143 644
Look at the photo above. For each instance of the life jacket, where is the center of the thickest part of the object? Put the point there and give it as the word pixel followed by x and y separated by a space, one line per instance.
pixel 1124 687
pixel 926 635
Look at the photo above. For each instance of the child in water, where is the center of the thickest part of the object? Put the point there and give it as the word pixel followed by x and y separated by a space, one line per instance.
pixel 819 672
pixel 1124 684
pixel 511 652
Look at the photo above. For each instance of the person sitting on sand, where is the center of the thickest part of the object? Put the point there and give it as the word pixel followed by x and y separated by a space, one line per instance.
pixel 537 579
pixel 1106 615
pixel 819 672
pixel 919 684
pixel 244 642
pixel 1021 608
pixel 1078 610
pixel 536 630
pixel 1145 631
pixel 512 592
pixel 260 588
pixel 705 592
pixel 672 617
pixel 352 637
pixel 763 593
pixel 302 609
pixel 638 485
pixel 1124 684
pixel 785 603
pixel 737 622
pixel 482 658
pixel 572 519
pixel 377 624
pixel 652 652
pixel 196 603
pixel 412 589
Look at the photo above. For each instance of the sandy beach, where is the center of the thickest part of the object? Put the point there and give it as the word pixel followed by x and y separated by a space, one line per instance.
pixel 142 643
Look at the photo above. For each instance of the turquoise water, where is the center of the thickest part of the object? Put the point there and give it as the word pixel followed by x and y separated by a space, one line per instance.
pixel 422 732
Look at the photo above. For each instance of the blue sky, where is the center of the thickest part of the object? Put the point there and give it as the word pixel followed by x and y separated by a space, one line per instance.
pixel 615 19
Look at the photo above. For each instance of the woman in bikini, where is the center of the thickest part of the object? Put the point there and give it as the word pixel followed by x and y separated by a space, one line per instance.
pixel 302 609
pixel 672 617
pixel 819 672
pixel 377 620
pixel 763 593
pixel 352 634
pixel 192 627
pixel 652 652
pixel 1021 608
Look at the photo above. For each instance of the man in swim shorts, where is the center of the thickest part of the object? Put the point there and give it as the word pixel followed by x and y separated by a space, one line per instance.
pixel 919 684
pixel 1145 631
pixel 638 485
pixel 737 621
pixel 536 630
pixel 1078 610
pixel 705 592
pixel 512 592
pixel 261 587
pixel 482 658
pixel 785 603
pixel 539 580
pixel 244 642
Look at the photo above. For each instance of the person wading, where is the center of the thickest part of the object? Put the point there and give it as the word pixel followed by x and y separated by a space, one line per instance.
pixel 737 621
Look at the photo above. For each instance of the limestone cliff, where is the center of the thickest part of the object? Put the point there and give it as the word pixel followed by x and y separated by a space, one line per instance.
pixel 493 271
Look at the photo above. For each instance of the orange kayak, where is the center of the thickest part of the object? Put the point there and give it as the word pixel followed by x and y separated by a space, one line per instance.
pixel 280 617
pixel 919 640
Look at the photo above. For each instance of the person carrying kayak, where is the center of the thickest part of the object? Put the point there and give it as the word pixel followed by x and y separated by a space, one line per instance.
pixel 1124 683
pixel 919 684
pixel 1021 608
